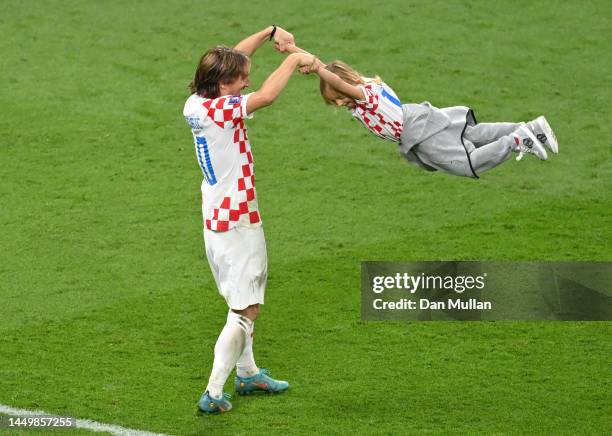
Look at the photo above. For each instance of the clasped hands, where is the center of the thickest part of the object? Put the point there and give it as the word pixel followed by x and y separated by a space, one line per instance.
pixel 285 42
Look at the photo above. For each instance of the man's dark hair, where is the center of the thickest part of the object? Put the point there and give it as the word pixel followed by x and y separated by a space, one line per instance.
pixel 218 65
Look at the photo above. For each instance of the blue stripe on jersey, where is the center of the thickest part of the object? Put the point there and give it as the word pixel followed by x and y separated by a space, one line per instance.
pixel 204 160
pixel 391 98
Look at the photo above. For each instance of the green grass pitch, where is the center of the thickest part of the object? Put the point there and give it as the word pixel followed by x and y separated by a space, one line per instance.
pixel 108 310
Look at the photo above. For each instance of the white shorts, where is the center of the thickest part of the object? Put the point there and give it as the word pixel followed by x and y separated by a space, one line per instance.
pixel 239 264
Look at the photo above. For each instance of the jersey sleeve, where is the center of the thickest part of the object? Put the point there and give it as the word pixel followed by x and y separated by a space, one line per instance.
pixel 371 98
pixel 228 110
pixel 243 104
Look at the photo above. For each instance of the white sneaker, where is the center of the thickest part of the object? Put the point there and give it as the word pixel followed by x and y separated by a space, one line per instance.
pixel 545 134
pixel 528 143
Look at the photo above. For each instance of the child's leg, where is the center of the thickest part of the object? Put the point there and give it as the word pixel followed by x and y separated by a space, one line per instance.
pixel 490 155
pixel 486 133
pixel 522 140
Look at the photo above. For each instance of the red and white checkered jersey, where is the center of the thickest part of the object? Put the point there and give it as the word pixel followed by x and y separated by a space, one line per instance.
pixel 380 112
pixel 224 154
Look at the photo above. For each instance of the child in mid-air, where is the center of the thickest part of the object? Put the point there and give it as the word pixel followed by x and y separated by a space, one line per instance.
pixel 445 139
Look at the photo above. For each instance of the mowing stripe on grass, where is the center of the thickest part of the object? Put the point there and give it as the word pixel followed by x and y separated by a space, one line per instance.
pixel 82 423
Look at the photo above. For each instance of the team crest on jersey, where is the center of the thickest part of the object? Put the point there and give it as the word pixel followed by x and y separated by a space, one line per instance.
pixel 235 100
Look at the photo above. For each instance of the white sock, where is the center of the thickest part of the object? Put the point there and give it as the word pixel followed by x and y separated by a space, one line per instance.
pixel 245 366
pixel 228 348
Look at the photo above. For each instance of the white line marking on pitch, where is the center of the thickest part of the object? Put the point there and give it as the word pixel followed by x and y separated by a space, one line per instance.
pixel 82 423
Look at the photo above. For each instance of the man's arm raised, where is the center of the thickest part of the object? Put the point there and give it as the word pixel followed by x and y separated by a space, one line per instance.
pixel 276 82
pixel 250 44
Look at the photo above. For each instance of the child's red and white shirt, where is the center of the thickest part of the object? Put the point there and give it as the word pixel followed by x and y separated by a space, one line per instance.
pixel 380 112
pixel 224 155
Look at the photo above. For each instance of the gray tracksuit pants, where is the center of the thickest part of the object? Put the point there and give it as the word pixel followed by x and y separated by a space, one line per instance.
pixel 492 144
pixel 449 140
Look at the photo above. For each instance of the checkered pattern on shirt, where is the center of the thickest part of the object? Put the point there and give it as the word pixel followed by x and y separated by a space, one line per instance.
pixel 227 113
pixel 378 113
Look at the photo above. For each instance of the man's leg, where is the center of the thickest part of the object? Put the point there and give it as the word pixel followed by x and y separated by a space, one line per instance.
pixel 245 366
pixel 228 348
pixel 249 378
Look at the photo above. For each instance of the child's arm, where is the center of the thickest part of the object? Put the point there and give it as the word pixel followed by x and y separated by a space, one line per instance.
pixel 353 91
pixel 332 79
pixel 277 81
pixel 282 39
pixel 292 48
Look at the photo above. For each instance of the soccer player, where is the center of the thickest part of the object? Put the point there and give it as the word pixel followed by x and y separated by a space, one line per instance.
pixel 233 234
pixel 446 139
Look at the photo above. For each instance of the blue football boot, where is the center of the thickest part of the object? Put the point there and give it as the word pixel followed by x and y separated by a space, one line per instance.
pixel 209 404
pixel 261 382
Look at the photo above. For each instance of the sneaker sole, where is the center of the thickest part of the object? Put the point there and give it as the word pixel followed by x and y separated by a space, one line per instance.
pixel 213 412
pixel 538 148
pixel 550 135
pixel 242 394
pixel 261 391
